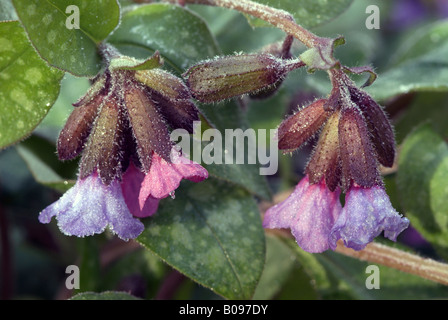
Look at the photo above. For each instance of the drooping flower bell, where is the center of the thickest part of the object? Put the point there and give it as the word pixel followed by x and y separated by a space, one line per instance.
pixel 128 163
pixel 355 137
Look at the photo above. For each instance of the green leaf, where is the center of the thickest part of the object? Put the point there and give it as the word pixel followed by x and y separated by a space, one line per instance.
pixel 48 24
pixel 280 262
pixel 418 112
pixel 393 284
pixel 28 87
pixel 230 116
pixel 327 285
pixel 421 181
pixel 228 25
pixel 307 13
pixel 244 175
pixel 421 41
pixel 420 64
pixel 212 233
pixel 181 37
pixel 40 157
pixel 107 295
pixel 426 73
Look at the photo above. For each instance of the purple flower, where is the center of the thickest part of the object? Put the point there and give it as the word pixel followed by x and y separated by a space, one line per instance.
pixel 310 212
pixel 90 206
pixel 355 137
pixel 120 127
pixel 367 212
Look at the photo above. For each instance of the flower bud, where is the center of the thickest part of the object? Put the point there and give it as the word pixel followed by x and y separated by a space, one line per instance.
pixel 98 87
pixel 167 84
pixel 172 97
pixel 228 77
pixel 280 50
pixel 150 131
pixel 73 136
pixel 359 164
pixel 325 160
pixel 178 114
pixel 381 132
pixel 102 151
pixel 301 126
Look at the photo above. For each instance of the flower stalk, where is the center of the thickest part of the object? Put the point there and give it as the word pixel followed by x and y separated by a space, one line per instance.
pixel 400 260
pixel 278 18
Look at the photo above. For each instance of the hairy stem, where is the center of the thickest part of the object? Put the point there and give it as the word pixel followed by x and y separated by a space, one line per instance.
pixel 398 259
pixel 278 18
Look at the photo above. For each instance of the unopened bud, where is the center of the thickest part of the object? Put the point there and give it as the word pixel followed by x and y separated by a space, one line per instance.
pixel 280 50
pixel 228 77
pixel 73 136
pixel 381 132
pixel 97 88
pixel 150 132
pixel 102 151
pixel 179 114
pixel 358 160
pixel 167 84
pixel 301 126
pixel 172 97
pixel 325 161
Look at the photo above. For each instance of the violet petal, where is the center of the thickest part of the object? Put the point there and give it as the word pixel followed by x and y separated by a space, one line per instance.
pixel 89 207
pixel 367 212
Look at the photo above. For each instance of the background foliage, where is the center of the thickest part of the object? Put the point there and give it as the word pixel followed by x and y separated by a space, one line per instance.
pixel 212 232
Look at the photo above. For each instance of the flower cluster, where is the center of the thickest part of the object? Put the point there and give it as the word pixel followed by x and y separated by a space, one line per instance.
pixel 128 163
pixel 355 138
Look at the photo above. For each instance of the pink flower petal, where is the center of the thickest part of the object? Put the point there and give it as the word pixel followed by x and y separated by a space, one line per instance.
pixel 310 212
pixel 131 184
pixel 164 177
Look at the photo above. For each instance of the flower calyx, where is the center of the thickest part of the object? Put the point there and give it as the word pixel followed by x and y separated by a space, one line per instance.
pixel 355 136
pixel 126 116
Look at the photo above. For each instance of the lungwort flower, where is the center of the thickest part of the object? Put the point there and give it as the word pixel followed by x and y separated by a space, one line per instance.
pixel 355 137
pixel 128 162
